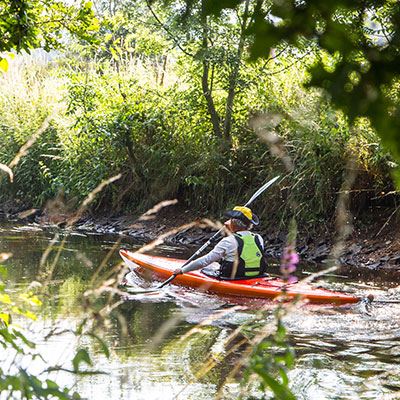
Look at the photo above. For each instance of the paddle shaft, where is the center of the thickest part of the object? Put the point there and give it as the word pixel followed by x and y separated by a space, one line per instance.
pixel 193 256
pixel 369 301
pixel 205 245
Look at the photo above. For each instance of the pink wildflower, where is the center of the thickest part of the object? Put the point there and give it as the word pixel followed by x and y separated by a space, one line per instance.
pixel 289 262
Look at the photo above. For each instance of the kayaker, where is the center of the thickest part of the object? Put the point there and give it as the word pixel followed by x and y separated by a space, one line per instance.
pixel 240 254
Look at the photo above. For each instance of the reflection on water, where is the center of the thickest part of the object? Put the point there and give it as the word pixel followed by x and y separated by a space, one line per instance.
pixel 159 343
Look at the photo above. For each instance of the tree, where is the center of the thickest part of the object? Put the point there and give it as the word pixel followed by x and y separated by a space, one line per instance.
pixel 27 25
pixel 219 45
pixel 360 53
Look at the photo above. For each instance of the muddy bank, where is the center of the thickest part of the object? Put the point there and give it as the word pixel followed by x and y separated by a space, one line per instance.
pixel 374 246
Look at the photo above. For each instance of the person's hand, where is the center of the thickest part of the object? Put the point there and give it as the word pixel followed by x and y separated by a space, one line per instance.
pixel 178 271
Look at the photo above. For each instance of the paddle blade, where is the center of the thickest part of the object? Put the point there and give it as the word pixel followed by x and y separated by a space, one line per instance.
pixel 262 188
pixel 133 290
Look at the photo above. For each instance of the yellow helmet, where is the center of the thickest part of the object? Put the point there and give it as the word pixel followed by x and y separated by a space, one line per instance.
pixel 244 214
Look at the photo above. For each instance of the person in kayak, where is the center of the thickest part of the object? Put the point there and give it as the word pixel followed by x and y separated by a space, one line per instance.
pixel 240 254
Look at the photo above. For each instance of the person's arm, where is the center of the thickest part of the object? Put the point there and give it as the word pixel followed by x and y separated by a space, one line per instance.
pixel 261 241
pixel 216 254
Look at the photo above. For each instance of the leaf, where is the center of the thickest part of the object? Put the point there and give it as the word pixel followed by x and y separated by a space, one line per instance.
pixel 10 381
pixel 5 318
pixel 3 274
pixel 9 338
pixel 283 374
pixel 82 356
pixel 102 343
pixel 79 330
pixel 5 299
pixel 51 384
pixel 289 358
pixel 4 64
pixel 27 314
pixel 33 382
pixel 282 392
pixel 30 299
pixel 215 7
pixel 24 339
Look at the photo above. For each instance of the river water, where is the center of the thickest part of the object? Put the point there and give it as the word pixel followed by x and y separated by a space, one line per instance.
pixel 159 344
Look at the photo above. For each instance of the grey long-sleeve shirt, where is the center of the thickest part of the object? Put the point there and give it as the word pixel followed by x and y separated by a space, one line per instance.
pixel 226 250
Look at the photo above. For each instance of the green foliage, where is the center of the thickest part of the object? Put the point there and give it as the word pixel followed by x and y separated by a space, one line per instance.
pixel 162 141
pixel 270 360
pixel 31 387
pixel 35 95
pixel 17 381
pixel 132 105
pixel 82 356
pixel 27 25
pixel 363 39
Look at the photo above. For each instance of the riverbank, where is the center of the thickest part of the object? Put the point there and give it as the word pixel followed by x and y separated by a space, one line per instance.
pixel 374 244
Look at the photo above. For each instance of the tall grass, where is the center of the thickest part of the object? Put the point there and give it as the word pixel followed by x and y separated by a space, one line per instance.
pixel 30 93
pixel 159 137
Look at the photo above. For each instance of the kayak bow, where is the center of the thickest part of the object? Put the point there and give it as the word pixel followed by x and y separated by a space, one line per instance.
pixel 162 268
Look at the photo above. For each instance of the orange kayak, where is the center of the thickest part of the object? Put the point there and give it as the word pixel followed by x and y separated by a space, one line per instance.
pixel 161 268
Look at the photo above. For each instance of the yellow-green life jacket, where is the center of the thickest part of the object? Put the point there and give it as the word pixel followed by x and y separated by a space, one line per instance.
pixel 250 258
pixel 250 254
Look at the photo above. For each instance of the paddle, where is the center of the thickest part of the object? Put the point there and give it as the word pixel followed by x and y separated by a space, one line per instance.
pixel 205 245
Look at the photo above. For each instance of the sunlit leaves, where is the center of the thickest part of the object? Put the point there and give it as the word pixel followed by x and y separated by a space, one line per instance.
pixel 26 25
pixel 5 298
pixel 17 381
pixel 25 313
pixel 366 35
pixel 30 299
pixel 5 318
pixel 3 64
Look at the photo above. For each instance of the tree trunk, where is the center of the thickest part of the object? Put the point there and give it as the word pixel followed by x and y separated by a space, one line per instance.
pixel 233 78
pixel 164 68
pixel 215 119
